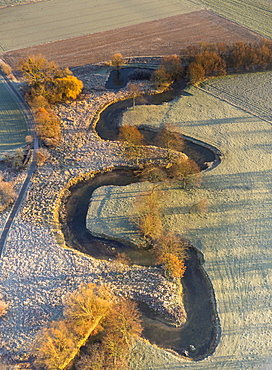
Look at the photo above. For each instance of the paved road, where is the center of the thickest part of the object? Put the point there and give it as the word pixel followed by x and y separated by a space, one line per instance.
pixel 31 170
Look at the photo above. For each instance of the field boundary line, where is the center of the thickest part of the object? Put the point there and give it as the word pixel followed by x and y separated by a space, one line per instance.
pixel 233 104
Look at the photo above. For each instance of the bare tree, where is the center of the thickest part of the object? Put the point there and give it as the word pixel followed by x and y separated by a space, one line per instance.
pixel 170 139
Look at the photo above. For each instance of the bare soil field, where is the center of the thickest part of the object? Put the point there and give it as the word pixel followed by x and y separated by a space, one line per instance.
pixel 47 21
pixel 160 37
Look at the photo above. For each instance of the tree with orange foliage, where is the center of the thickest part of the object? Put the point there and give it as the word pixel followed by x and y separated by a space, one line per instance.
pixel 84 311
pixel 149 220
pixel 173 266
pixel 53 346
pixel 184 171
pixel 68 87
pixel 172 65
pixel 48 126
pixel 196 73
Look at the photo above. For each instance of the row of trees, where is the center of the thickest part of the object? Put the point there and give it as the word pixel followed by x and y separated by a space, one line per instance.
pixel 203 60
pixel 208 59
pixel 168 248
pixel 91 313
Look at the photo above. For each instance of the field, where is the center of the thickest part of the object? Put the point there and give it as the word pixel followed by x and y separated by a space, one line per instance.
pixel 13 125
pixel 235 233
pixel 48 21
pixel 254 14
pixel 159 37
pixel 251 91
pixel 4 3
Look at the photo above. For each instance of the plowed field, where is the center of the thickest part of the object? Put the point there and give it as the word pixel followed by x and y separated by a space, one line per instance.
pixel 160 37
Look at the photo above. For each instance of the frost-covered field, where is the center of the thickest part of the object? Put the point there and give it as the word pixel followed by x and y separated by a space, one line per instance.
pixel 235 235
pixel 251 91
pixel 47 21
pixel 13 125
pixel 254 14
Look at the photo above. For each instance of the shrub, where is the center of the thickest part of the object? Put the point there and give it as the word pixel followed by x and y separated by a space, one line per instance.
pixel 47 126
pixel 7 194
pixel 3 306
pixel 42 155
pixel 140 74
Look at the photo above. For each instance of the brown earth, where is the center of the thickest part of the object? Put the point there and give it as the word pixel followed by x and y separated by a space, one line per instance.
pixel 160 37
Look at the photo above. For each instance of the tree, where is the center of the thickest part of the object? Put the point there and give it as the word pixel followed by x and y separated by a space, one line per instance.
pixel 68 87
pixel 38 71
pixel 149 220
pixel 94 359
pixel 133 139
pixel 169 139
pixel 196 73
pixel 53 346
pixel 16 160
pixel 185 171
pixel 212 63
pixel 84 311
pixel 160 78
pixel 152 173
pixel 172 65
pixel 170 250
pixel 135 91
pixel 46 79
pixel 117 61
pixel 174 268
pixel 86 307
pixel 121 326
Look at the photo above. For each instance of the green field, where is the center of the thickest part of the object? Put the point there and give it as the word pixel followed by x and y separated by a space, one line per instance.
pixel 253 14
pixel 42 22
pixel 13 125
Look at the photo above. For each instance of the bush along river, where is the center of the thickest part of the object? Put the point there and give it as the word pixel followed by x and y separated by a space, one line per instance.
pixel 198 337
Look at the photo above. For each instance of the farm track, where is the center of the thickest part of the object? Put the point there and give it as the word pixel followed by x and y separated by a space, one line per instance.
pixel 160 37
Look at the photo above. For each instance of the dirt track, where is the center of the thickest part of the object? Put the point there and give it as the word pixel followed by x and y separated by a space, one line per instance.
pixel 161 37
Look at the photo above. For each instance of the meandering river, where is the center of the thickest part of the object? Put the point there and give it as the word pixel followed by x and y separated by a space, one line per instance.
pixel 200 334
